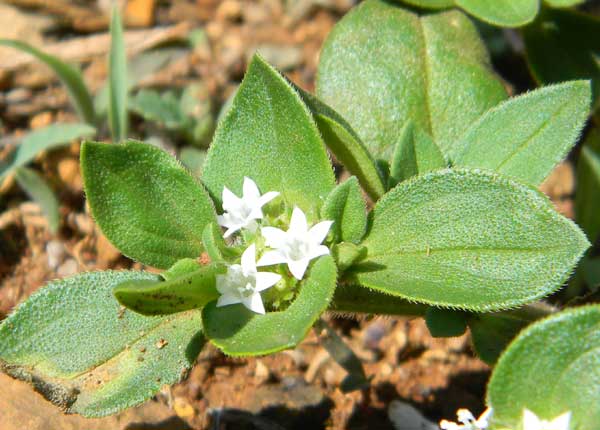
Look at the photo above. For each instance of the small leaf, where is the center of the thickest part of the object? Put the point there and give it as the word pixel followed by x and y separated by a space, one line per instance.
pixel 181 268
pixel 356 299
pixel 146 204
pixel 186 291
pixel 433 4
pixel 503 13
pixel 163 108
pixel 214 244
pixel 347 209
pixel 71 78
pixel 587 195
pixel 345 144
pixel 445 322
pixel 550 368
pixel 415 154
pixel 346 254
pixel 526 136
pixel 470 240
pixel 36 188
pixel 269 135
pixel 117 80
pixel 71 341
pixel 563 3
pixel 238 331
pixel 563 45
pixel 382 66
pixel 193 159
pixel 45 139
pixel 344 356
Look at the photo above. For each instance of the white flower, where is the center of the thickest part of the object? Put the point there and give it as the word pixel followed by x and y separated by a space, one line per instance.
pixel 468 421
pixel 242 212
pixel 532 422
pixel 297 246
pixel 243 283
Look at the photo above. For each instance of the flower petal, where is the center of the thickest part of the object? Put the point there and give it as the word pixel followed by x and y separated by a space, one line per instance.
pixel 274 237
pixel 227 299
pixel 318 251
pixel 266 280
pixel 530 420
pixel 318 232
pixel 267 197
pixel 298 267
pixel 250 189
pixel 230 200
pixel 254 303
pixel 298 222
pixel 249 260
pixel 561 422
pixel 270 258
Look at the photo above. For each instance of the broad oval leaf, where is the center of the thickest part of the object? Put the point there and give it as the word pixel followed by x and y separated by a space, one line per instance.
pixel 183 292
pixel 146 204
pixel 504 13
pixel 345 144
pixel 382 65
pixel 550 368
pixel 269 135
pixel 45 139
pixel 238 331
pixel 77 347
pixel 468 239
pixel 569 36
pixel 118 88
pixel 70 76
pixel 36 188
pixel 347 209
pixel 526 136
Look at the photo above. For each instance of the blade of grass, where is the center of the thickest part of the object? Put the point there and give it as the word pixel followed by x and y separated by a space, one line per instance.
pixel 117 80
pixel 36 188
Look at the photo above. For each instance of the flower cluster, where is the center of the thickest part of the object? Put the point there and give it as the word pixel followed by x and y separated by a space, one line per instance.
pixel 295 247
pixel 530 421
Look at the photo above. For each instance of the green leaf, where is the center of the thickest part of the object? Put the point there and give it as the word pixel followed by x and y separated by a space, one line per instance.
pixel 117 80
pixel 193 159
pixel 71 341
pixel 214 244
pixel 70 77
pixel 35 186
pixel 238 331
pixel 382 66
pixel 415 154
pixel 569 36
pixel 526 136
pixel 550 368
pixel 445 322
pixel 591 272
pixel 344 356
pixel 45 139
pixel 187 291
pixel 503 13
pixel 355 299
pixel 269 135
pixel 160 108
pixel 345 144
pixel 347 209
pixel 146 204
pixel 346 254
pixel 470 240
pixel 431 4
pixel 587 196
pixel 563 3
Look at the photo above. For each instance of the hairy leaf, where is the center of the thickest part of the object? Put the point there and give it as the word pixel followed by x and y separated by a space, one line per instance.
pixel 85 354
pixel 469 240
pixel 415 154
pixel 146 204
pixel 445 322
pixel 433 4
pixel 36 188
pixel 569 36
pixel 347 209
pixel 356 299
pixel 382 66
pixel 550 368
pixel 45 139
pixel 345 144
pixel 117 80
pixel 587 196
pixel 238 331
pixel 504 13
pixel 563 3
pixel 526 136
pixel 186 291
pixel 269 135
pixel 71 78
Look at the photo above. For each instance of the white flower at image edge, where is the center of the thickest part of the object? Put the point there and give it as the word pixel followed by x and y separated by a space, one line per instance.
pixel 297 246
pixel 468 421
pixel 532 422
pixel 243 283
pixel 242 212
